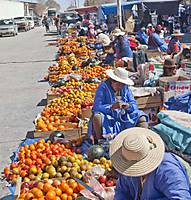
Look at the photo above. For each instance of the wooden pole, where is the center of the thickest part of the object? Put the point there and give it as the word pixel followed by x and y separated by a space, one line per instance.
pixel 119 14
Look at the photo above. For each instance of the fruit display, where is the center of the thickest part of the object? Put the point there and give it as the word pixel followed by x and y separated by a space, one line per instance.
pixel 44 160
pixel 53 123
pixel 33 158
pixel 107 181
pixel 51 190
pixel 69 104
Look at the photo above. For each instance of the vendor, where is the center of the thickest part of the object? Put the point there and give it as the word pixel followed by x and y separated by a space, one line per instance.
pixel 115 108
pixel 91 32
pixel 142 37
pixel 169 67
pixel 146 171
pixel 174 45
pixel 102 38
pixel 122 46
pixel 155 42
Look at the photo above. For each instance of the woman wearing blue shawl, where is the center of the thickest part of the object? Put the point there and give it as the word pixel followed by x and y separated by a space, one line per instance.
pixel 146 171
pixel 115 108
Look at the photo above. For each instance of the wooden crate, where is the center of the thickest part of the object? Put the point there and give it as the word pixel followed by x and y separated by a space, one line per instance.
pixel 51 97
pixel 86 113
pixel 149 101
pixel 70 134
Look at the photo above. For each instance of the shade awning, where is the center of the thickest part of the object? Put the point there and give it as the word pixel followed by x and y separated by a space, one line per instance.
pixel 112 7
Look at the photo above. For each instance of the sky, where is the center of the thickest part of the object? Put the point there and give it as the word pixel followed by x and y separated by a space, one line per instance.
pixel 66 3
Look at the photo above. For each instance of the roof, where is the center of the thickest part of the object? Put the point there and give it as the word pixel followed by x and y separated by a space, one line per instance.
pixel 112 7
pixel 29 1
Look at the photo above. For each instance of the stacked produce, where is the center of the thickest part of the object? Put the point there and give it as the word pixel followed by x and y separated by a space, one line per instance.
pixel 47 168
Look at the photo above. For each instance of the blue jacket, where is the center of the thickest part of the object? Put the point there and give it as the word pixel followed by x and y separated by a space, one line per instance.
pixel 113 120
pixel 171 44
pixel 168 182
pixel 142 37
pixel 156 42
pixel 123 49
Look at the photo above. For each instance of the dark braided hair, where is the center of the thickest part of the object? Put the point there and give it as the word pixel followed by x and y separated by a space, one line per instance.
pixel 185 157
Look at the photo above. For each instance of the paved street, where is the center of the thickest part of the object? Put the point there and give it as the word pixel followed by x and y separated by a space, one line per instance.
pixel 24 60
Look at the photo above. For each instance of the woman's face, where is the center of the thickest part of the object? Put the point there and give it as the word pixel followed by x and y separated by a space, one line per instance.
pixel 170 71
pixel 117 86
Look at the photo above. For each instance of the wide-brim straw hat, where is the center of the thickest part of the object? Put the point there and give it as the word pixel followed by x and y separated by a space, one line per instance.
pixel 177 33
pixel 118 32
pixel 136 152
pixel 120 75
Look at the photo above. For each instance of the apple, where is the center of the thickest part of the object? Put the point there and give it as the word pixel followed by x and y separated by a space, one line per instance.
pixel 109 183
pixel 25 185
pixel 102 179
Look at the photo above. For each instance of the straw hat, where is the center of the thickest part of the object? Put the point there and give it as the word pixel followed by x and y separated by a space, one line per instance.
pixel 177 33
pixel 121 75
pixel 136 151
pixel 118 32
pixel 169 63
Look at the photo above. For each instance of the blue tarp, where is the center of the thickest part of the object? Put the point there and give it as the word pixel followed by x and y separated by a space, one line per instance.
pixel 112 7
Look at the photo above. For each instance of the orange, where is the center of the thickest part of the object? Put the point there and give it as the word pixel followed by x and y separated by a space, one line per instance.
pixel 41 198
pixel 40 185
pixel 51 195
pixel 58 191
pixel 29 196
pixel 73 185
pixel 69 191
pixel 58 198
pixel 64 196
pixel 64 187
pixel 69 198
pixel 47 187
pixel 38 193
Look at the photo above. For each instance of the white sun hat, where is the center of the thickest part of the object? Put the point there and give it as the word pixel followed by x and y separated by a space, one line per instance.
pixel 118 32
pixel 136 151
pixel 120 75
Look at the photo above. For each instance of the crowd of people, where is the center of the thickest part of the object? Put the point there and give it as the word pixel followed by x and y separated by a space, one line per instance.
pixel 145 170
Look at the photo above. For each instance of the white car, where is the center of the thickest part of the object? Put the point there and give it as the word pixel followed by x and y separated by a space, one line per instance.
pixel 8 27
pixel 31 21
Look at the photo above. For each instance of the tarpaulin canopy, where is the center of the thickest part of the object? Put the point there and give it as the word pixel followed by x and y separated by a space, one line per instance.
pixel 112 7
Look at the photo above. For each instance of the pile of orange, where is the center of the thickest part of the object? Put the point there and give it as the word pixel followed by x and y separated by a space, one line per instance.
pixel 69 104
pixel 58 190
pixel 33 158
pixel 90 86
pixel 53 123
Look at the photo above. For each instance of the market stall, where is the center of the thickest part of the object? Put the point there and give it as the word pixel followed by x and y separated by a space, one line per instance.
pixel 53 165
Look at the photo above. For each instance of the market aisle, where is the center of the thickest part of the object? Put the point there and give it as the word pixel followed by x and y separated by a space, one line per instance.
pixel 23 62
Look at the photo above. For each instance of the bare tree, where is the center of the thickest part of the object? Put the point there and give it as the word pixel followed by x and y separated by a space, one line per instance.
pixel 52 4
pixel 97 2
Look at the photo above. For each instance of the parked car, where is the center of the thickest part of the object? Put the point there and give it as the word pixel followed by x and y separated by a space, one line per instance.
pixel 37 21
pixel 31 21
pixel 8 27
pixel 22 23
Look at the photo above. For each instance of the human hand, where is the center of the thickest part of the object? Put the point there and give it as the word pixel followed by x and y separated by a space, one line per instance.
pixel 125 106
pixel 116 105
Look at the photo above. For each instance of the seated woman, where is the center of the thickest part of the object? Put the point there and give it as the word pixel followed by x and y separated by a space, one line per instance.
pixel 169 68
pixel 155 42
pixel 115 108
pixel 146 171
pixel 174 45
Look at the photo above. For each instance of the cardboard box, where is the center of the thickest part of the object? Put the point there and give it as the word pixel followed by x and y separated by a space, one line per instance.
pixel 173 86
pixel 149 101
pixel 70 134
